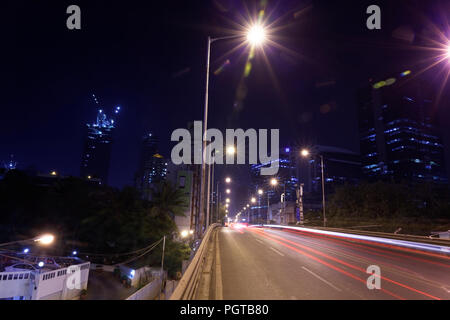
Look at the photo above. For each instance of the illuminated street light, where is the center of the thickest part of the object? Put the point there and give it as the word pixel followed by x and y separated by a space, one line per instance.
pixel 226 205
pixel 260 191
pixel 45 239
pixel 305 153
pixel 448 51
pixel 253 200
pixel 53 173
pixel 231 150
pixel 256 35
pixel 228 180
pixel 273 182
pixel 227 200
pixel 228 191
pixel 184 233
pixel 248 205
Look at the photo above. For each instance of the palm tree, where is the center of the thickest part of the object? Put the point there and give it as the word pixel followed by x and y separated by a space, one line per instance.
pixel 167 199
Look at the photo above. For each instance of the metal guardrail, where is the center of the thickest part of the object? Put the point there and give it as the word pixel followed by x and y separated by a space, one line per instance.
pixel 441 246
pixel 410 237
pixel 186 288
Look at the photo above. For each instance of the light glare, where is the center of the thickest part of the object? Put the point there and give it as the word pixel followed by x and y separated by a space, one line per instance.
pixel 45 239
pixel 305 153
pixel 256 35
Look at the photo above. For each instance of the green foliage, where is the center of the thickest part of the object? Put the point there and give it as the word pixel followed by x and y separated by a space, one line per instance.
pixel 386 200
pixel 99 219
pixel 167 199
pixel 175 253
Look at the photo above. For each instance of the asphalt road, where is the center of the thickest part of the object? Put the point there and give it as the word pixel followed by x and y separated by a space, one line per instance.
pixel 262 264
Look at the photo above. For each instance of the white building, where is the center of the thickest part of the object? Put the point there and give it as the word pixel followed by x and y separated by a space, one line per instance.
pixel 57 284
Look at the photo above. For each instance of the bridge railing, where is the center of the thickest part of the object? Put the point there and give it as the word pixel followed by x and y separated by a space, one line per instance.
pixel 441 246
pixel 186 288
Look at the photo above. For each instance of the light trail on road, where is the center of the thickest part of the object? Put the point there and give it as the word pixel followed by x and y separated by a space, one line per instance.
pixel 266 263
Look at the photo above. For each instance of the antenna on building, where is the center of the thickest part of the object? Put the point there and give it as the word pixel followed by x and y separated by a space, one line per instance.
pixel 102 119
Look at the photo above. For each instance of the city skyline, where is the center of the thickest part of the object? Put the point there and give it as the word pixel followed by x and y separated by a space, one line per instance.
pixel 225 150
pixel 312 96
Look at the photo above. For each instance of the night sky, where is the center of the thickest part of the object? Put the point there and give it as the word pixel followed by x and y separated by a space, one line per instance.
pixel 149 57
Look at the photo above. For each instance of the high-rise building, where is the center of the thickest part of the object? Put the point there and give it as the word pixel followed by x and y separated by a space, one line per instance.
pixel 152 165
pixel 399 131
pixel 341 166
pixel 96 156
pixel 286 182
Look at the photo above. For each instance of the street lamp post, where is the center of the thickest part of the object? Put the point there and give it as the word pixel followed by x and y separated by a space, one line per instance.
pixel 255 36
pixel 217 202
pixel 45 239
pixel 253 201
pixel 260 193
pixel 162 267
pixel 323 191
pixel 306 153
pixel 273 183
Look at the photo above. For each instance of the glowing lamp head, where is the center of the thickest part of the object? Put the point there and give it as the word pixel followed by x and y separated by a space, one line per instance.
pixel 227 200
pixel 228 180
pixel 184 233
pixel 260 191
pixel 228 191
pixel 26 250
pixel 231 150
pixel 74 253
pixel 41 264
pixel 305 153
pixel 273 182
pixel 46 239
pixel 256 35
pixel 448 51
pixel 253 200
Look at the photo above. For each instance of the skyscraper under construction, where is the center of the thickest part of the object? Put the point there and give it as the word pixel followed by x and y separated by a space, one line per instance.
pixel 96 156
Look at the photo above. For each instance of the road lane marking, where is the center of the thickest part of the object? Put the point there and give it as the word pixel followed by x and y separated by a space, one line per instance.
pixel 286 241
pixel 323 262
pixel 260 241
pixel 358 257
pixel 322 279
pixel 281 254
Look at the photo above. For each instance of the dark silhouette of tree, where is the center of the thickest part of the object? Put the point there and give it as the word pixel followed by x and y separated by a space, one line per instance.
pixel 167 199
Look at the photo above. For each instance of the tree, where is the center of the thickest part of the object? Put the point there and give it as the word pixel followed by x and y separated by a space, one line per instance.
pixel 167 199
